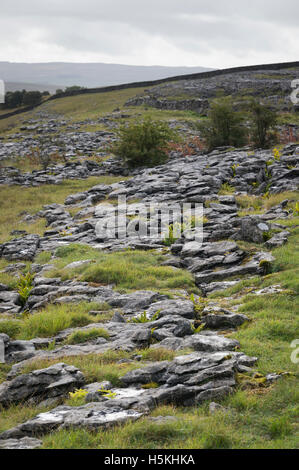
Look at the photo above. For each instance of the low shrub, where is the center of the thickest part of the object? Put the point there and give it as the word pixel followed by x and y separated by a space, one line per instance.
pixel 144 143
pixel 224 127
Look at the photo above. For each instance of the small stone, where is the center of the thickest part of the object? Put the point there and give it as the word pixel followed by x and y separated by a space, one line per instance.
pixel 215 407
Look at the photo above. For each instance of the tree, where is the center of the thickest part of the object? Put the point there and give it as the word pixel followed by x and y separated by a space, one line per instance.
pixel 32 98
pixel 264 121
pixel 41 153
pixel 144 143
pixel 73 89
pixel 224 126
pixel 13 99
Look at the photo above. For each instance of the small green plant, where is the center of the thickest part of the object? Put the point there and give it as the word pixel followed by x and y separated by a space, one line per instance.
pixel 143 318
pixel 199 304
pixel 78 394
pixel 268 235
pixel 296 210
pixel 198 329
pixel 52 345
pixel 234 169
pixel 276 154
pixel 173 233
pixel 107 393
pixel 266 267
pixel 150 385
pixel 226 189
pixel 25 286
pixel 194 222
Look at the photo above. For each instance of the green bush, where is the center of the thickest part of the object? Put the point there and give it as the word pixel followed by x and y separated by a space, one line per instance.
pixel 224 127
pixel 264 121
pixel 144 143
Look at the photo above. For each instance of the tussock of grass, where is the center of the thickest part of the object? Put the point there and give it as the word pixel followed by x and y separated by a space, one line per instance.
pixel 127 270
pixel 279 427
pixel 16 414
pixel 226 189
pixel 159 354
pixel 50 321
pixel 43 257
pixel 4 369
pixel 87 335
pixel 12 328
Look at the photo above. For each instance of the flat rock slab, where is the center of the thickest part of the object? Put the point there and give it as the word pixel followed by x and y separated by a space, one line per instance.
pixel 20 248
pixel 92 416
pixel 18 444
pixel 55 381
pixel 192 369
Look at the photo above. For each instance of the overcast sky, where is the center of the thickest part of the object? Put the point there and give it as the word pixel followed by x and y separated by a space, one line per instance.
pixel 211 33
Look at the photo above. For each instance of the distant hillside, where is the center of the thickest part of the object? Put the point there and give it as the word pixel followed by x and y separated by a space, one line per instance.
pixel 86 74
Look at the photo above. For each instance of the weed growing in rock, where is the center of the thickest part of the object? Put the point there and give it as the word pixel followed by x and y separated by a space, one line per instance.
pixel 25 286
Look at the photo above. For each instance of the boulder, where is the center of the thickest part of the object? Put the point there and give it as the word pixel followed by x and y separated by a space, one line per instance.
pixel 55 381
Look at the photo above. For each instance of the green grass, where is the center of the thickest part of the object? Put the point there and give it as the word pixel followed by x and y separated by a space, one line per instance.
pixel 86 335
pixel 12 328
pixel 159 354
pixel 44 257
pixel 263 418
pixel 51 320
pixel 16 414
pixel 6 278
pixel 14 200
pixel 130 270
pixel 257 417
pixel 226 190
pixel 265 421
pixel 257 204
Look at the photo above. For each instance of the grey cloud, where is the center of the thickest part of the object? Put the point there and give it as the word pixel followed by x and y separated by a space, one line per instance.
pixel 118 28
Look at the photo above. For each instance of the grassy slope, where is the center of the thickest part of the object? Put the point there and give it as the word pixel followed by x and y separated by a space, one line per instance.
pixel 16 199
pixel 256 416
pixel 93 106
